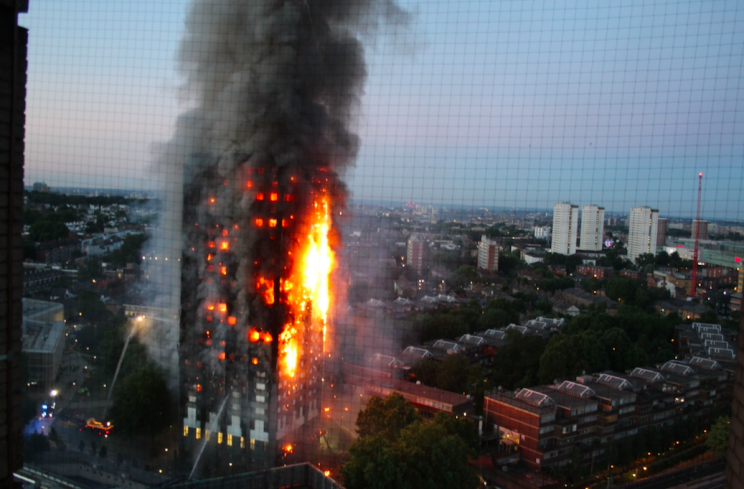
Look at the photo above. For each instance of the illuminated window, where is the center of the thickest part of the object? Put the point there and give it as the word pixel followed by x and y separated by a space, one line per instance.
pixel 229 440
pixel 198 433
pixel 185 431
pixel 253 444
pixel 242 442
pixel 206 434
pixel 219 437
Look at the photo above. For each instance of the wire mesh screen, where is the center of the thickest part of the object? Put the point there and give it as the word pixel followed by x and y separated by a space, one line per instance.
pixel 245 219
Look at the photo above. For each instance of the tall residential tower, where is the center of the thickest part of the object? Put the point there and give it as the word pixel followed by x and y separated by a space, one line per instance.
pixel 565 228
pixel 643 231
pixel 592 228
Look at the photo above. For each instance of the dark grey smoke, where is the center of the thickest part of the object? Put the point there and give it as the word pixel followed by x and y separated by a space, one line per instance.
pixel 272 88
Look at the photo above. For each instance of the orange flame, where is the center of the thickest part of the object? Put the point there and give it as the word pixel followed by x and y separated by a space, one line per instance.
pixel 309 296
pixel 268 289
pixel 254 336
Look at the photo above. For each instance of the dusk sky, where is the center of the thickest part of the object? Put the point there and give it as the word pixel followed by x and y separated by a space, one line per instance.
pixel 478 103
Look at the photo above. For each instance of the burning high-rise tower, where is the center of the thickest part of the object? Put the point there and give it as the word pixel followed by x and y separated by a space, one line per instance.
pixel 256 192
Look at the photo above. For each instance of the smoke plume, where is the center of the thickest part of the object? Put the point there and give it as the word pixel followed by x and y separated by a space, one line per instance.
pixel 272 88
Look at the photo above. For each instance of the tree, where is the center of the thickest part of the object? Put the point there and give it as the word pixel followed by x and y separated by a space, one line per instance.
pixel 43 231
pixel 645 259
pixel 518 361
pixel 493 318
pixel 420 455
pixel 718 436
pixel 385 417
pixel 130 251
pixel 452 374
pixel 141 403
pixel 570 355
pixel 621 351
pixel 91 307
pixel 622 289
pixel 441 325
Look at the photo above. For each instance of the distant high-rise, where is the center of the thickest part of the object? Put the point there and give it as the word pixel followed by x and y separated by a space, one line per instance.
pixel 643 227
pixel 488 254
pixel 592 227
pixel 565 228
pixel 661 232
pixel 416 253
pixel 542 232
pixel 703 228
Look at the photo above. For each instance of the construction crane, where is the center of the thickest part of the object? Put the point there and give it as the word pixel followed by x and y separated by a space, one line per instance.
pixel 696 231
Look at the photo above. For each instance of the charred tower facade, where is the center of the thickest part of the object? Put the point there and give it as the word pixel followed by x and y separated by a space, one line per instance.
pixel 255 165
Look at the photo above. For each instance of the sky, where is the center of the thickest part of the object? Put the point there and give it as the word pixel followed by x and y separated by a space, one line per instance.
pixel 479 103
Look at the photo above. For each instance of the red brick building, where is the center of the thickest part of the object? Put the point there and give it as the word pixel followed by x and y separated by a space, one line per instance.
pixel 547 422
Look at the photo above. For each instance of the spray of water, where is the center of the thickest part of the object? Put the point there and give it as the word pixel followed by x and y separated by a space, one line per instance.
pixel 118 366
pixel 206 438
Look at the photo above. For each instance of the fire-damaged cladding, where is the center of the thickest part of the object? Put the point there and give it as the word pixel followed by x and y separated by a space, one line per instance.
pixel 255 303
pixel 273 87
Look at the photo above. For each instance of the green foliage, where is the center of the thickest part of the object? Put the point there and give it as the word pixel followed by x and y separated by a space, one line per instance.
pixel 449 324
pixel 567 356
pixel 544 306
pixel 442 325
pixel 662 259
pixel 44 231
pixel 621 351
pixel 554 284
pixel 385 417
pixel 412 454
pixel 518 362
pixel 141 403
pixel 678 262
pixel 130 251
pixel 718 436
pixel 93 335
pixel 508 263
pixel 613 259
pixel 645 259
pixel 112 346
pixel 91 307
pixel 454 374
pixel 622 289
pixel 97 226
pixel 493 318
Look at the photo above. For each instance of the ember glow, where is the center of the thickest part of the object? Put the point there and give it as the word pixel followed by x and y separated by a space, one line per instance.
pixel 310 301
pixel 260 160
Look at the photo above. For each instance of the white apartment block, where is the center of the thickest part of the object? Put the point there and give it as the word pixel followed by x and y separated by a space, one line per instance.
pixel 592 228
pixel 643 227
pixel 542 232
pixel 488 254
pixel 565 228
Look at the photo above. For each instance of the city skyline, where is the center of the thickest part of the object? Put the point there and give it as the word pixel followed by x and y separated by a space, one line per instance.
pixel 509 105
